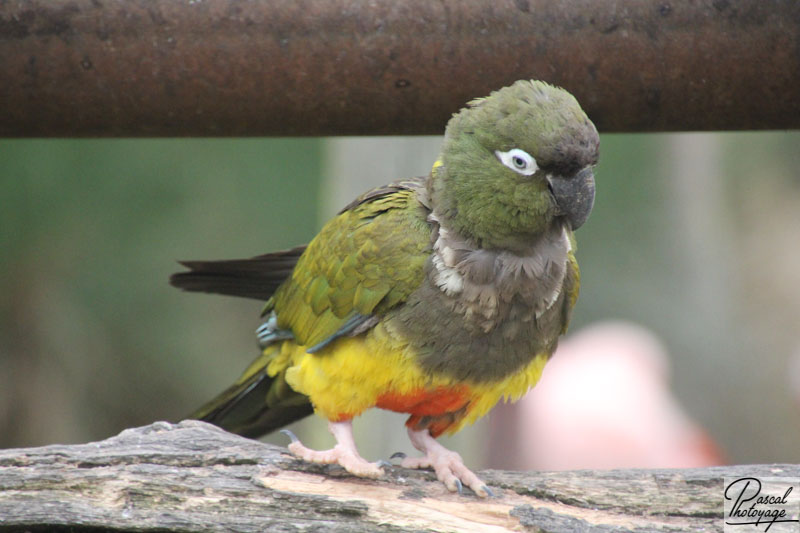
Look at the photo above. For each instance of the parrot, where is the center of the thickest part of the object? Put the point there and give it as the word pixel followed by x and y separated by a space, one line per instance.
pixel 435 296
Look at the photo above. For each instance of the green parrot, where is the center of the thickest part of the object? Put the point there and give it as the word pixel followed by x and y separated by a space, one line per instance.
pixel 436 296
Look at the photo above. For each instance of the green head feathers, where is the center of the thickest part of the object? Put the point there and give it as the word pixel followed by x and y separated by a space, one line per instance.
pixel 514 163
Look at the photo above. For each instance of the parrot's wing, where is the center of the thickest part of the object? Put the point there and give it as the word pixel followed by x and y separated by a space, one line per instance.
pixel 257 277
pixel 365 261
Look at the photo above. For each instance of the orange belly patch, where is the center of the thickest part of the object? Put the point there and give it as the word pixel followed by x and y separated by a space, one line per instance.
pixel 426 402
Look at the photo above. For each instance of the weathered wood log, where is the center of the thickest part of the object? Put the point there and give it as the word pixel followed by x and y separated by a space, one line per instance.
pixel 195 477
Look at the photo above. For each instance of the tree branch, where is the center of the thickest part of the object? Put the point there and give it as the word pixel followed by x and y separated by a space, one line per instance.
pixel 195 477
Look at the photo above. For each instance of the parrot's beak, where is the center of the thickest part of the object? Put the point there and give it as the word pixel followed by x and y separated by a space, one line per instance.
pixel 574 196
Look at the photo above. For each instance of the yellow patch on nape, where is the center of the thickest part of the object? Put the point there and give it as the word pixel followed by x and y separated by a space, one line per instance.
pixel 436 166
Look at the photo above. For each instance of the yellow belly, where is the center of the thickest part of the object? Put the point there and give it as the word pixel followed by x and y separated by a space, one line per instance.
pixel 353 374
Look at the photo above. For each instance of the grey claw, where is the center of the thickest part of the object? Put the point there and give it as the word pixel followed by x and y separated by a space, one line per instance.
pixel 489 491
pixel 398 455
pixel 460 487
pixel 290 435
pixel 384 463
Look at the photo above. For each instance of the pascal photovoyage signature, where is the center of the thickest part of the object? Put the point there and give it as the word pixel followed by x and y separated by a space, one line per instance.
pixel 751 507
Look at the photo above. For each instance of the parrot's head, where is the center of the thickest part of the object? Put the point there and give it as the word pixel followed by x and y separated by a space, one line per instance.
pixel 514 164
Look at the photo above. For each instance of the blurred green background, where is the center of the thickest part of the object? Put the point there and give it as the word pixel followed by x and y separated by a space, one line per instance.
pixel 695 236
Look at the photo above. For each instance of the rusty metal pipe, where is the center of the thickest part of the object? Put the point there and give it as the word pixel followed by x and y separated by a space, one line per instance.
pixel 288 67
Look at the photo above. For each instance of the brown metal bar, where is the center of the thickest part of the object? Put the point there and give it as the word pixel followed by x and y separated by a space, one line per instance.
pixel 290 67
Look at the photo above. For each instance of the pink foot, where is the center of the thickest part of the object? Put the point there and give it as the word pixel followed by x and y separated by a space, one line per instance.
pixel 447 464
pixel 344 453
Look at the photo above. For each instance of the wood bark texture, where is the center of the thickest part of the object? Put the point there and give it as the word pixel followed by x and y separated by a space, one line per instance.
pixel 193 476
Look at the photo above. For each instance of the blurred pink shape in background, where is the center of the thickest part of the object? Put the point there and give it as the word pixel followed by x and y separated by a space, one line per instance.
pixel 603 402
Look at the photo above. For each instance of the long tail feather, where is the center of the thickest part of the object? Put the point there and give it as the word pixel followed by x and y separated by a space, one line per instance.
pixel 256 277
pixel 256 406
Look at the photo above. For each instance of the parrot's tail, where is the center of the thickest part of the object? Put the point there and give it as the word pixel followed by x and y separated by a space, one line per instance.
pixel 255 405
pixel 257 277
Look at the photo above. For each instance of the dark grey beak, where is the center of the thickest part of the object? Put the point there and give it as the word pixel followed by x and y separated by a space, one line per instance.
pixel 574 196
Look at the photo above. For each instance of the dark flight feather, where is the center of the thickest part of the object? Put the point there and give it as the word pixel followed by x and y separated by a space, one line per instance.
pixel 256 278
pixel 255 407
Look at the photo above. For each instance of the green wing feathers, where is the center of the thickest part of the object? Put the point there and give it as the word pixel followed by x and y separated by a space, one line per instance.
pixel 363 262
pixel 366 260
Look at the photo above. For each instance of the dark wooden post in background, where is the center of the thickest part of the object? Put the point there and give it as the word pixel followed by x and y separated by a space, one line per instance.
pixel 338 67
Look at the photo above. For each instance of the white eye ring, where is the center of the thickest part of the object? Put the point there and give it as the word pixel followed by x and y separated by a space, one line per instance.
pixel 518 160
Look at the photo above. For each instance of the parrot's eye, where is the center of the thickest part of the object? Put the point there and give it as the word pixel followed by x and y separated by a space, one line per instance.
pixel 518 160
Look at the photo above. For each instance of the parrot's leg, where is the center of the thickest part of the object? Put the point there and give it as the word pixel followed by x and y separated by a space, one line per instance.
pixel 447 464
pixel 344 453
